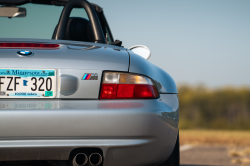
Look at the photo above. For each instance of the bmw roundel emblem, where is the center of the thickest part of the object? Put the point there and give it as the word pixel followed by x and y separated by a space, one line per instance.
pixel 25 53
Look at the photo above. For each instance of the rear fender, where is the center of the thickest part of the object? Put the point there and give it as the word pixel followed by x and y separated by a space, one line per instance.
pixel 163 81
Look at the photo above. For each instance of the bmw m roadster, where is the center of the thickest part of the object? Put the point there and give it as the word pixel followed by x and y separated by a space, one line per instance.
pixel 78 97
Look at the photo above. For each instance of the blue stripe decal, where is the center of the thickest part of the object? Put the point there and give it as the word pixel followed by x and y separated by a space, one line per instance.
pixel 84 77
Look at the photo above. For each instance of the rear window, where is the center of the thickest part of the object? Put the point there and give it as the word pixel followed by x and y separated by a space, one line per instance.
pixel 39 22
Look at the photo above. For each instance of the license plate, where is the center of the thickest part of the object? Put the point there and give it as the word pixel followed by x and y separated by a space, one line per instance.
pixel 27 83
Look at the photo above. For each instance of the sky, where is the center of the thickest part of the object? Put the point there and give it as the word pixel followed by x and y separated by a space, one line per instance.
pixel 195 41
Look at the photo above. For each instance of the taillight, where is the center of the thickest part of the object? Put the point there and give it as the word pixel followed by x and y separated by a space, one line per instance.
pixel 28 45
pixel 127 86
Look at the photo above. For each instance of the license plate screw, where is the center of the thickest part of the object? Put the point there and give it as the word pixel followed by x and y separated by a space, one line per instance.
pixel 43 71
pixel 8 71
pixel 43 94
pixel 7 94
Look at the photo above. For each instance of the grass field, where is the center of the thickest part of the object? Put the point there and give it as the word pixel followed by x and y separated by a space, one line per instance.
pixel 215 137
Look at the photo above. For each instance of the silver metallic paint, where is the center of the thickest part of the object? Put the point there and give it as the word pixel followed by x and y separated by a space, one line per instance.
pixel 163 80
pixel 68 84
pixel 84 55
pixel 83 89
pixel 143 130
pixel 96 58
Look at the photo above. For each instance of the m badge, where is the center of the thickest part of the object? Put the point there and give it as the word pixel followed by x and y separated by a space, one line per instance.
pixel 90 76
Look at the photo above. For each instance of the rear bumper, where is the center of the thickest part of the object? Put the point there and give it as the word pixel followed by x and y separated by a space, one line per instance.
pixel 139 132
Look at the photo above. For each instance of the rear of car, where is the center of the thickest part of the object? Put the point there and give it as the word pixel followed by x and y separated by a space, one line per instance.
pixel 83 103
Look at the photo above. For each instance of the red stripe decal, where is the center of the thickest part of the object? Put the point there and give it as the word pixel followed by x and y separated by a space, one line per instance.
pixel 88 76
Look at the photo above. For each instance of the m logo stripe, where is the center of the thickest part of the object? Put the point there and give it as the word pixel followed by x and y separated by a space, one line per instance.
pixel 90 76
pixel 84 77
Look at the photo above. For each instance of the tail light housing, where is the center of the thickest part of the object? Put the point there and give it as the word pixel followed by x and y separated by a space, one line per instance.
pixel 127 86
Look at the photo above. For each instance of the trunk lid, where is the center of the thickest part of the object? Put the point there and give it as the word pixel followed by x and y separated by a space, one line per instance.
pixel 71 61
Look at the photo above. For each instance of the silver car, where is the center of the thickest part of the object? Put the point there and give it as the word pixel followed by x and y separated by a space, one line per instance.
pixel 74 96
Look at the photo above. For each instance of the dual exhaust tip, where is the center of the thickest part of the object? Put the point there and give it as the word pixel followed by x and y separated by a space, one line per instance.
pixel 82 159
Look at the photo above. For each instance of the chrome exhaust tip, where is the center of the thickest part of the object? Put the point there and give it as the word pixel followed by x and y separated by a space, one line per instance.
pixel 95 159
pixel 80 159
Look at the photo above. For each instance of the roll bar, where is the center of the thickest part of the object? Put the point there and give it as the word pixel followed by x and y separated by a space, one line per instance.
pixel 94 21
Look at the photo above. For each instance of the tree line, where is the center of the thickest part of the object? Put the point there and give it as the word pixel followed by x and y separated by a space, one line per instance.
pixel 221 108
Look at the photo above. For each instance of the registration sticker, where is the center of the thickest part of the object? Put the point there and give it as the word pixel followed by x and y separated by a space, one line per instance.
pixel 27 83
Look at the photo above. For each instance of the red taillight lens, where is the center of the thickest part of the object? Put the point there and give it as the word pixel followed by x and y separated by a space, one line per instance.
pixel 127 86
pixel 145 91
pixel 109 91
pixel 128 91
pixel 28 45
pixel 125 91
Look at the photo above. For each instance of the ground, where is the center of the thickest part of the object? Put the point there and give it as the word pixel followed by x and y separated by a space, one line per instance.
pixel 206 148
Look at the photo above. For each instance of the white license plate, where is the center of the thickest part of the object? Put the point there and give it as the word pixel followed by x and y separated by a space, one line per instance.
pixel 27 83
